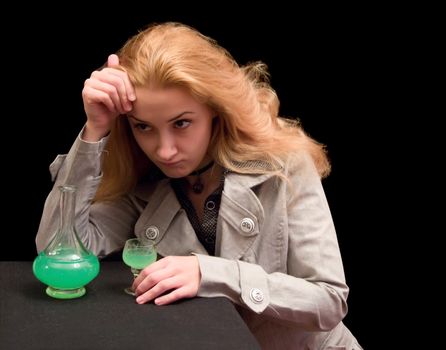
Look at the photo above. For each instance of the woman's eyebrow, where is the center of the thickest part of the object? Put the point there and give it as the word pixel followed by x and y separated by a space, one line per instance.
pixel 170 120
pixel 138 120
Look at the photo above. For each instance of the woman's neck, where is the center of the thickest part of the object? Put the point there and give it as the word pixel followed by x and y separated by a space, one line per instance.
pixel 204 183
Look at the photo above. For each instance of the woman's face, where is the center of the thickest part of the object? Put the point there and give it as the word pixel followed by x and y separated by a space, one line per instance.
pixel 172 129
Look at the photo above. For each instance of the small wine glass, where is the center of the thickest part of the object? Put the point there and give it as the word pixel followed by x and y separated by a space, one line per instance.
pixel 138 253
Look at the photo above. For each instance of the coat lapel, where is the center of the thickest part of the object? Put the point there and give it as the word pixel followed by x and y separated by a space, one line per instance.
pixel 239 204
pixel 164 214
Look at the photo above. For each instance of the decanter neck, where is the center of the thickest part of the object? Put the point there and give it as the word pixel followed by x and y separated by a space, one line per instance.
pixel 67 204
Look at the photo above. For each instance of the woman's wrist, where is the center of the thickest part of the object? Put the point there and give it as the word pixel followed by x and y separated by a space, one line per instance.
pixel 90 134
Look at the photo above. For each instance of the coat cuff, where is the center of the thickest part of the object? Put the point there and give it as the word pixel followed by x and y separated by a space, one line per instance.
pixel 219 278
pixel 243 283
pixel 254 286
pixel 80 147
pixel 90 147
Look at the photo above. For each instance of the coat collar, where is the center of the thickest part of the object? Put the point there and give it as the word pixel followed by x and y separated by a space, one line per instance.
pixel 145 190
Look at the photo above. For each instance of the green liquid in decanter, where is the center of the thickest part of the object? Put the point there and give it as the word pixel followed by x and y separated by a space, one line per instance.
pixel 66 278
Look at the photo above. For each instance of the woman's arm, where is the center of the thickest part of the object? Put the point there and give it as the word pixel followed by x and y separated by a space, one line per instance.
pixel 102 227
pixel 312 294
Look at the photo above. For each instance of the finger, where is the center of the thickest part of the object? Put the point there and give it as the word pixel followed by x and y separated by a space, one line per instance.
pixel 156 266
pixel 122 82
pixel 113 60
pixel 92 96
pixel 110 85
pixel 126 88
pixel 140 286
pixel 148 281
pixel 160 288
pixel 173 296
pixel 127 83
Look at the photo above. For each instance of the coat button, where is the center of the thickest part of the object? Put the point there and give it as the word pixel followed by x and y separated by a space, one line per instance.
pixel 210 205
pixel 152 232
pixel 247 225
pixel 256 295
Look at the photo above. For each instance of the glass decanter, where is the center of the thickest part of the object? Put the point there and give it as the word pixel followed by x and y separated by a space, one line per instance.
pixel 65 265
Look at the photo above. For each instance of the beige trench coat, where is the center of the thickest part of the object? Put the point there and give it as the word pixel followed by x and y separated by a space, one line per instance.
pixel 277 255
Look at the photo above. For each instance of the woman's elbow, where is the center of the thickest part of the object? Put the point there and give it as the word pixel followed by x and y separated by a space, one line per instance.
pixel 334 309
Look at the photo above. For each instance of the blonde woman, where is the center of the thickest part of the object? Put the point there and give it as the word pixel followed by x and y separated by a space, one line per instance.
pixel 185 147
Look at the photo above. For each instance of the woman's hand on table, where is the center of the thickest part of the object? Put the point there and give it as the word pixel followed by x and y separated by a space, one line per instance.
pixel 167 280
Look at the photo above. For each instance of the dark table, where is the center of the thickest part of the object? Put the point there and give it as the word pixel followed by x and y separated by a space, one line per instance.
pixel 107 318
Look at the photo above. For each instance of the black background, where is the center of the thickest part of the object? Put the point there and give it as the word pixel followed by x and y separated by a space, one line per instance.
pixel 323 65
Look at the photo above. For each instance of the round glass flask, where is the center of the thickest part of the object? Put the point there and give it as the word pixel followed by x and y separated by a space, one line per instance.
pixel 65 265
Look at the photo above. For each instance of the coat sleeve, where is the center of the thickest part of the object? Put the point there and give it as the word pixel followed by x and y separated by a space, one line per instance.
pixel 102 227
pixel 312 293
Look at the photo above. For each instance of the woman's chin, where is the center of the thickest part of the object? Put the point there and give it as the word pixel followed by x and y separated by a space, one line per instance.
pixel 175 173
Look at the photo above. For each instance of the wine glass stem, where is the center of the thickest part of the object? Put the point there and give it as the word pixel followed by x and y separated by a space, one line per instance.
pixel 135 272
pixel 129 290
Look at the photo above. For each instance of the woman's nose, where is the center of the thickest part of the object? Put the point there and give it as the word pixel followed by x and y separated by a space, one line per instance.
pixel 166 149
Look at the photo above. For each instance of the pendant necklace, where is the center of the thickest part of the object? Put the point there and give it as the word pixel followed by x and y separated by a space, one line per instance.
pixel 198 186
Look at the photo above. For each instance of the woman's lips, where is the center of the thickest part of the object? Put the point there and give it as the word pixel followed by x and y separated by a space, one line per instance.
pixel 170 164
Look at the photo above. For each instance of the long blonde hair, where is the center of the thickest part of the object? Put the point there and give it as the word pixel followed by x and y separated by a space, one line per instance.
pixel 248 136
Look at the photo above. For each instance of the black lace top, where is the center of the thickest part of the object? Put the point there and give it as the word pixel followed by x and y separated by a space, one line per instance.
pixel 206 230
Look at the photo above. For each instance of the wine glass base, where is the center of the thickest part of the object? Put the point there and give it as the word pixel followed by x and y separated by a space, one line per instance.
pixel 65 293
pixel 129 291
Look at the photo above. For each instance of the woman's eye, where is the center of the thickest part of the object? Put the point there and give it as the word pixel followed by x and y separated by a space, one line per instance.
pixel 181 124
pixel 142 127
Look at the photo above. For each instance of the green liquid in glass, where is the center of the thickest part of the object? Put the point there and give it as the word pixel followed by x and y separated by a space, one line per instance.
pixel 66 273
pixel 138 258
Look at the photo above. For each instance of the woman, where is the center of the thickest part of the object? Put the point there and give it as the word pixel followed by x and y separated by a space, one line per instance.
pixel 186 148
